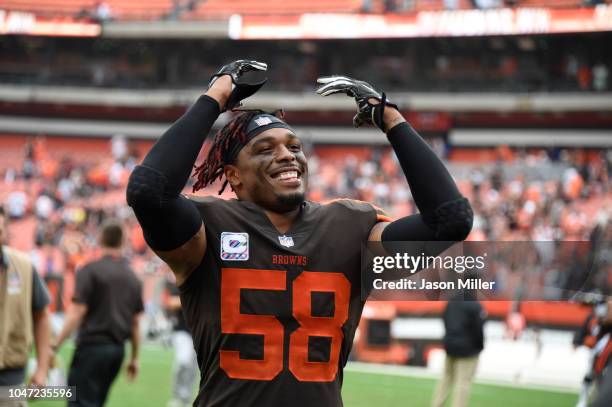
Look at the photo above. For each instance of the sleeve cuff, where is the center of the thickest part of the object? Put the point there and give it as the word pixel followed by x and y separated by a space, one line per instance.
pixel 402 129
pixel 206 100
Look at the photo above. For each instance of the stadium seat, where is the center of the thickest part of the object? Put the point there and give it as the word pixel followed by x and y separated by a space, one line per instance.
pixel 120 9
pixel 225 8
pixel 551 3
pixel 221 9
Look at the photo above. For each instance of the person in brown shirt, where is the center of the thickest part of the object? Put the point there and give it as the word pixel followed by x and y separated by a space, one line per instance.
pixel 106 307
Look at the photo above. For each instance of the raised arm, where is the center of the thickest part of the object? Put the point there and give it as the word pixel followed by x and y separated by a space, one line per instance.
pixel 172 225
pixel 444 214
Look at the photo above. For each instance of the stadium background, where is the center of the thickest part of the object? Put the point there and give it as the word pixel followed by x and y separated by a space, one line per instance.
pixel 514 95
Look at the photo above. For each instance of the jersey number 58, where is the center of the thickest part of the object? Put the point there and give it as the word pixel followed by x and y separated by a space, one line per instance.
pixel 233 322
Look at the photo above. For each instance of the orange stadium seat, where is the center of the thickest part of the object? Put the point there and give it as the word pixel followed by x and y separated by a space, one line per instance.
pixel 428 5
pixel 121 9
pixel 212 9
pixel 550 3
pixel 225 8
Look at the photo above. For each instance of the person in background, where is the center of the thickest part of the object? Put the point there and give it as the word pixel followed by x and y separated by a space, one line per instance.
pixel 106 307
pixel 185 368
pixel 587 335
pixel 603 360
pixel 464 320
pixel 600 77
pixel 24 317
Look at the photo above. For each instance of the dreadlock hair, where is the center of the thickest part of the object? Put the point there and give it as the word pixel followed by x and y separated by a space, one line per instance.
pixel 212 168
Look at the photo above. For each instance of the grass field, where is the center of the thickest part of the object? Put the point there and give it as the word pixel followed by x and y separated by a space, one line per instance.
pixel 152 388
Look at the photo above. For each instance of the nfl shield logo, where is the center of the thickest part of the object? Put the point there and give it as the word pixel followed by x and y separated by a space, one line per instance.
pixel 262 121
pixel 286 241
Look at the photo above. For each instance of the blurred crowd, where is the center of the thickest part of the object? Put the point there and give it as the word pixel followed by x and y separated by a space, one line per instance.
pixel 57 203
pixel 539 195
pixel 101 11
pixel 530 195
pixel 406 6
pixel 509 64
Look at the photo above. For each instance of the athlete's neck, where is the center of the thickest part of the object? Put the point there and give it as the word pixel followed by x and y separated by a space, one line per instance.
pixel 282 221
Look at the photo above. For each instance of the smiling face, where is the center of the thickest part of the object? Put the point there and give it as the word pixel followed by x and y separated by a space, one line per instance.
pixel 271 171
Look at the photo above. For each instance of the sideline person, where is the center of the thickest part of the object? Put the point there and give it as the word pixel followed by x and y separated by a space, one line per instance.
pixel 106 309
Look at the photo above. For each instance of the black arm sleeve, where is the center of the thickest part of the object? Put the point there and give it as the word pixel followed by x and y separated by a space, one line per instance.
pixel 445 215
pixel 168 219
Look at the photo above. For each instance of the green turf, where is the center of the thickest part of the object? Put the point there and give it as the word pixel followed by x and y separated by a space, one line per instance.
pixel 153 387
pixel 365 389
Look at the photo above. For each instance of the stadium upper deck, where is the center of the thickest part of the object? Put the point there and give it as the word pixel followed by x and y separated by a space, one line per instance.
pixel 503 64
pixel 149 72
pixel 222 9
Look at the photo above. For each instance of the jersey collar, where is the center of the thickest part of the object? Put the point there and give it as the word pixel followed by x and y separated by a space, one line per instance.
pixel 296 226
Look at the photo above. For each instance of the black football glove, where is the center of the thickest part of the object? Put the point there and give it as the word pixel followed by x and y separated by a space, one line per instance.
pixel 362 92
pixel 241 89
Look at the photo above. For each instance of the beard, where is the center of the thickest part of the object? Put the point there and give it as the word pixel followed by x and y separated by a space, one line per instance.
pixel 287 203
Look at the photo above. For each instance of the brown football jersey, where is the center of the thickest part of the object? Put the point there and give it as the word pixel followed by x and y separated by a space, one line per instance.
pixel 273 315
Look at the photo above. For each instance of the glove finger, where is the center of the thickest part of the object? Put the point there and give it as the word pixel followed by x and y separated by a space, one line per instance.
pixel 324 88
pixel 364 86
pixel 347 92
pixel 370 89
pixel 253 66
pixel 328 79
pixel 331 91
pixel 341 85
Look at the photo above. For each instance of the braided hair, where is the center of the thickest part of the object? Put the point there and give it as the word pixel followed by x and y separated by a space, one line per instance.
pixel 234 131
